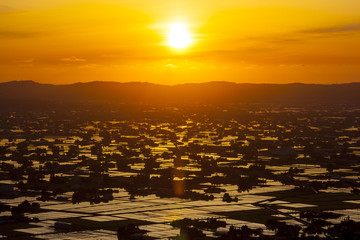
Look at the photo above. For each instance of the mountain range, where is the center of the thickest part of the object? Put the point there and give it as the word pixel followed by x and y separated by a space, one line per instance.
pixel 189 93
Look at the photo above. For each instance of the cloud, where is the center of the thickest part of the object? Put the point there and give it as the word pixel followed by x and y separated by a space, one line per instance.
pixel 17 34
pixel 275 42
pixel 30 60
pixel 353 27
pixel 6 9
pixel 170 65
pixel 94 66
pixel 73 59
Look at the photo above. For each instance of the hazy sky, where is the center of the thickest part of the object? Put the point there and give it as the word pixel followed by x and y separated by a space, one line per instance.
pixel 257 41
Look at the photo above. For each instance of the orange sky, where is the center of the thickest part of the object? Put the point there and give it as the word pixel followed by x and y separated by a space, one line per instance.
pixel 256 41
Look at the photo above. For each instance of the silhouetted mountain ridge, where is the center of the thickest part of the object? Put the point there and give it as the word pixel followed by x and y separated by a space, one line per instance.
pixel 188 93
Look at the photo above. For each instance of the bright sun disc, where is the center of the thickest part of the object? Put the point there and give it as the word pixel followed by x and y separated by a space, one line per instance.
pixel 179 36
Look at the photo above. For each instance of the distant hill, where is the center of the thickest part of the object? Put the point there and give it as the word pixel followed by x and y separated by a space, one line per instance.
pixel 190 93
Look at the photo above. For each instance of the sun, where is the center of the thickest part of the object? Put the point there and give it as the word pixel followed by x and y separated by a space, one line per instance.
pixel 179 37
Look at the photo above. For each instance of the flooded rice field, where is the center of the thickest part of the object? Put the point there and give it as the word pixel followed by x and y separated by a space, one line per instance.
pixel 73 177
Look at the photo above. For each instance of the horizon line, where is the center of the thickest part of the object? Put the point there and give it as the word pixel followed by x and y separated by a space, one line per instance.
pixel 178 84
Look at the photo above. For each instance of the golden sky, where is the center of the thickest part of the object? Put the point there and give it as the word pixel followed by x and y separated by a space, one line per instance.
pixel 254 41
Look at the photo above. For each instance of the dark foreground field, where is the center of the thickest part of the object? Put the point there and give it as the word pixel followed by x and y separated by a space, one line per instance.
pixel 188 171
